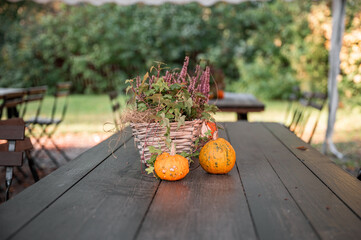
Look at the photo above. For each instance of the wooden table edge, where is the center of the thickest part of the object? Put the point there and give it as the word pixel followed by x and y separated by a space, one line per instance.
pixel 11 211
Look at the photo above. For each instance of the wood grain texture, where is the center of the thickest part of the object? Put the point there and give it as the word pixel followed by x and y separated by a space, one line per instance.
pixel 17 212
pixel 11 159
pixel 108 203
pixel 345 186
pixel 326 213
pixel 275 214
pixel 275 191
pixel 201 206
pixel 12 129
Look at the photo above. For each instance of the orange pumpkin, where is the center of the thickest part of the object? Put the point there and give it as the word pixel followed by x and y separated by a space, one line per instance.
pixel 212 126
pixel 220 94
pixel 171 166
pixel 217 156
pixel 163 155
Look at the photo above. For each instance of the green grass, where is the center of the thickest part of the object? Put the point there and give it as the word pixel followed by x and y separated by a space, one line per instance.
pixel 85 113
pixel 91 113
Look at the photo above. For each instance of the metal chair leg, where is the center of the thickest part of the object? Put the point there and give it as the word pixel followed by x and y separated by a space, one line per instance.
pixel 8 180
pixel 32 166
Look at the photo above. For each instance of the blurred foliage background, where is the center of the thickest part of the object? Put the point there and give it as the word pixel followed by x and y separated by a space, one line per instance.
pixel 260 47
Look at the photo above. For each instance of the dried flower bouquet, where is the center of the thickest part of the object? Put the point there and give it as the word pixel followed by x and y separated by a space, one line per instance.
pixel 169 107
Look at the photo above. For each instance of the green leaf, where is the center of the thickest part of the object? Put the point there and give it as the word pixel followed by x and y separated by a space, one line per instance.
pixel 189 104
pixel 152 149
pixel 210 108
pixel 181 121
pixel 208 133
pixel 169 115
pixel 143 88
pixel 129 81
pixel 168 141
pixel 165 121
pixel 149 170
pixel 145 77
pixel 206 116
pixel 150 92
pixel 142 107
pixel 155 97
pixel 175 86
pixel 160 85
pixel 168 96
pixel 127 89
pixel 176 113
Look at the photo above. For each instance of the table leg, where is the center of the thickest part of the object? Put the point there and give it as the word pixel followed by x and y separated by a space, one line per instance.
pixel 242 117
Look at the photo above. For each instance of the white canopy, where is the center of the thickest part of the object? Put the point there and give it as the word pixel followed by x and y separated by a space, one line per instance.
pixel 149 2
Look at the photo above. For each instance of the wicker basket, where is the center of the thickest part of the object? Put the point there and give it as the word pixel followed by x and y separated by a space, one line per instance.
pixel 152 134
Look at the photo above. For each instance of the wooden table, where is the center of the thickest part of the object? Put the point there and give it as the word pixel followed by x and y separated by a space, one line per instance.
pixel 240 103
pixel 6 91
pixel 275 191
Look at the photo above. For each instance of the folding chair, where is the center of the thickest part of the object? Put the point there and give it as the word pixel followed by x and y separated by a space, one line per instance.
pixel 11 153
pixel 113 96
pixel 317 102
pixel 309 105
pixel 298 117
pixel 33 101
pixel 33 98
pixel 11 102
pixel 292 102
pixel 49 125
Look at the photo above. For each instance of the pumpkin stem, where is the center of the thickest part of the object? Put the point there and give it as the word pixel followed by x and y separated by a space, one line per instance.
pixel 172 149
pixel 215 135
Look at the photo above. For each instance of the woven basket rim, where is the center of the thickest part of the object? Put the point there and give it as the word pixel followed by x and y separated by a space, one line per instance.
pixel 172 123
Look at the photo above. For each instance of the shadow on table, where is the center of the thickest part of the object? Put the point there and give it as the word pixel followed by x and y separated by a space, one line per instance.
pixel 21 181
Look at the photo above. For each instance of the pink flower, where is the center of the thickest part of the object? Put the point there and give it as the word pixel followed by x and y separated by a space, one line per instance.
pixel 183 73
pixel 193 80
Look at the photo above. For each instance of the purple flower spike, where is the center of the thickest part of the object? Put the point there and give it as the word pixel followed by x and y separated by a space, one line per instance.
pixel 168 78
pixel 193 80
pixel 206 82
pixel 183 73
pixel 138 81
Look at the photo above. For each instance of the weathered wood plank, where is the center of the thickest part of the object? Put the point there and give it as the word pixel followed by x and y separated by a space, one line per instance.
pixel 201 206
pixel 326 213
pixel 25 206
pixel 109 203
pixel 275 214
pixel 345 186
